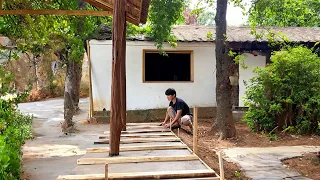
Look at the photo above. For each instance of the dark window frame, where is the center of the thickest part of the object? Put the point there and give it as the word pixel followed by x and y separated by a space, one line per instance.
pixel 168 51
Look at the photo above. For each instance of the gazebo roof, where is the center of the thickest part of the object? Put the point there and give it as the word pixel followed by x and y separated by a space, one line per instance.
pixel 137 10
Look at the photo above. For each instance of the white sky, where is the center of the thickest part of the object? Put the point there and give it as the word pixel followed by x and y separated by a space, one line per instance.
pixel 234 14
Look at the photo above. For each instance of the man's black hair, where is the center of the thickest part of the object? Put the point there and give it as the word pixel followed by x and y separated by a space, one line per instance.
pixel 171 91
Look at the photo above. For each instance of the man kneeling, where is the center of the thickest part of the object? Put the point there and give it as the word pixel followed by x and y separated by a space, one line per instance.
pixel 178 111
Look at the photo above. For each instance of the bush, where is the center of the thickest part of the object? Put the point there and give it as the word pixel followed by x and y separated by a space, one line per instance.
pixel 286 94
pixel 15 128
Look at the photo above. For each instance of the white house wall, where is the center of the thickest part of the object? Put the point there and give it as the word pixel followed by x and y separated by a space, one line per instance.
pixel 141 95
pixel 251 62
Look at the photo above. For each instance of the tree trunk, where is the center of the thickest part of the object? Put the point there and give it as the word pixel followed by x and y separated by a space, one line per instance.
pixel 224 120
pixel 118 56
pixel 69 94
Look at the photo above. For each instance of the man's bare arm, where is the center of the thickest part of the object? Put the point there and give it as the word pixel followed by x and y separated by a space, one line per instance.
pixel 165 119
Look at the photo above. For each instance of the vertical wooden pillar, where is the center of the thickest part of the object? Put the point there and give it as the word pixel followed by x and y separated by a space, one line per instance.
pixel 118 56
pixel 123 84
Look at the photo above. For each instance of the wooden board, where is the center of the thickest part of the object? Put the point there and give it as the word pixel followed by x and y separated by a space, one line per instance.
pixel 138 148
pixel 143 127
pixel 142 131
pixel 146 135
pixel 140 140
pixel 143 175
pixel 136 159
pixel 144 124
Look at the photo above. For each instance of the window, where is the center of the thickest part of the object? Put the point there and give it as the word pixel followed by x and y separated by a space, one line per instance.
pixel 176 67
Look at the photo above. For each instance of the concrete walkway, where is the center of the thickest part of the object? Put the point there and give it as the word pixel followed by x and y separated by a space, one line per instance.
pixel 265 163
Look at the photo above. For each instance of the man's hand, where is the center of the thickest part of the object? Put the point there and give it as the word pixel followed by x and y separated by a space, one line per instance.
pixel 161 124
pixel 167 125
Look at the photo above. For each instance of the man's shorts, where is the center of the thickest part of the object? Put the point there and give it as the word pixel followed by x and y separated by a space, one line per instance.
pixel 185 120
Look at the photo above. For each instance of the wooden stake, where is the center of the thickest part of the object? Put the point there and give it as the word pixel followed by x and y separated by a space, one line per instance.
pixel 195 129
pixel 106 169
pixel 118 56
pixel 221 166
pixel 90 81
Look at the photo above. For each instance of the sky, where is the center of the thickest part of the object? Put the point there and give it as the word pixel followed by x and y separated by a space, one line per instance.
pixel 234 14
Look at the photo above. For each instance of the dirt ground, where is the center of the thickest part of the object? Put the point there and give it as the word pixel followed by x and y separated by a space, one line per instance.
pixel 308 165
pixel 208 144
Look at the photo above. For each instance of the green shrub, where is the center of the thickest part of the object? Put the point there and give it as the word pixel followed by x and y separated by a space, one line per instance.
pixel 286 94
pixel 15 128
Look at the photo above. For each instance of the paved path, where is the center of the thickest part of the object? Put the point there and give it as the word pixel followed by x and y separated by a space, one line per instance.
pixel 265 163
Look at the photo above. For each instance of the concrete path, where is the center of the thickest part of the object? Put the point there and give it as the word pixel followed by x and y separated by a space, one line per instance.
pixel 265 163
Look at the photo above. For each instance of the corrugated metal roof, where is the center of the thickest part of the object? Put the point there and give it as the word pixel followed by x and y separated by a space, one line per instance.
pixel 188 33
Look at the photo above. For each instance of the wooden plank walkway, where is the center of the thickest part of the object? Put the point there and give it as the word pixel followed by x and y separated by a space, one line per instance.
pixel 164 157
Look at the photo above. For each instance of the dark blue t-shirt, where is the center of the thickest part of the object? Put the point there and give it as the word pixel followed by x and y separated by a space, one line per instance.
pixel 180 105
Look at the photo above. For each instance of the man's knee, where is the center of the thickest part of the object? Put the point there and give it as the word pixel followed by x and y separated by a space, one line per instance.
pixel 186 120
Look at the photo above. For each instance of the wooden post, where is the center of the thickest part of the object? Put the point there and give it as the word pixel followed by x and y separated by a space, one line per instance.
pixel 106 171
pixel 123 83
pixel 118 55
pixel 90 81
pixel 195 129
pixel 221 166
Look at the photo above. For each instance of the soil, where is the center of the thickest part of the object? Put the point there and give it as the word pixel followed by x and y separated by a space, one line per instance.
pixel 308 165
pixel 208 144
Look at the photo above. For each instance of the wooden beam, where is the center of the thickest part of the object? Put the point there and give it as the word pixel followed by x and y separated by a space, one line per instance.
pixel 123 82
pixel 144 124
pixel 56 12
pixel 136 159
pixel 142 131
pixel 195 129
pixel 109 7
pixel 143 175
pixel 140 140
pixel 143 127
pixel 138 148
pixel 118 56
pixel 146 135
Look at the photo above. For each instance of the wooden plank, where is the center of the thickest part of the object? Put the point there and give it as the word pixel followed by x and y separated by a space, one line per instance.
pixel 142 131
pixel 139 148
pixel 146 135
pixel 144 124
pixel 56 12
pixel 136 159
pixel 195 129
pixel 140 140
pixel 143 127
pixel 143 175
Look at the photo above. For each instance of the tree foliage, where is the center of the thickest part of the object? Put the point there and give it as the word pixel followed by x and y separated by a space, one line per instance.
pixel 15 128
pixel 285 13
pixel 285 95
